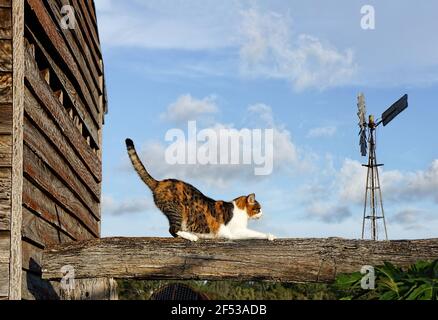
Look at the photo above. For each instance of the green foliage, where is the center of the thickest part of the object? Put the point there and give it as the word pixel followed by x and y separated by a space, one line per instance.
pixel 418 282
pixel 232 290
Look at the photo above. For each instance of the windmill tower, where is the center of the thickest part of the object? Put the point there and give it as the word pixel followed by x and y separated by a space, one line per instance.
pixel 373 211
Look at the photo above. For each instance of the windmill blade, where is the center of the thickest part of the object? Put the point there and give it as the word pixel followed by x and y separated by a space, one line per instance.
pixel 361 113
pixel 363 143
pixel 395 110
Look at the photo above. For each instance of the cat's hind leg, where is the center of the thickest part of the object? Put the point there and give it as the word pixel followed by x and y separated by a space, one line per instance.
pixel 188 236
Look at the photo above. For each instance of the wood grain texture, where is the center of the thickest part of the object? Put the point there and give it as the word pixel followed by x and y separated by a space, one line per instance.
pixel 5 243
pixel 90 24
pixel 6 3
pixel 41 118
pixel 89 116
pixel 35 140
pixel 78 53
pixel 38 202
pixel 37 172
pixel 5 150
pixel 94 48
pixel 51 29
pixel 5 56
pixel 6 118
pixel 5 23
pixel 5 87
pixel 32 256
pixel 4 280
pixel 5 198
pixel 86 40
pixel 41 232
pixel 60 115
pixel 15 282
pixel 91 289
pixel 288 260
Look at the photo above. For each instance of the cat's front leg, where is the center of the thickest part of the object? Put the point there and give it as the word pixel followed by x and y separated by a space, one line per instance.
pixel 188 236
pixel 252 234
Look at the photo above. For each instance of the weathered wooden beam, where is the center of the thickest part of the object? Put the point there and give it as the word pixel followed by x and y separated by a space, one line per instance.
pixel 288 260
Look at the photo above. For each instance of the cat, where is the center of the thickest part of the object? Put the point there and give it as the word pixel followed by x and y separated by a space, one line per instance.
pixel 192 215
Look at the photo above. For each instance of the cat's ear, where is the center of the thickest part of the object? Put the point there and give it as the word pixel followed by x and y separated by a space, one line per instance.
pixel 251 198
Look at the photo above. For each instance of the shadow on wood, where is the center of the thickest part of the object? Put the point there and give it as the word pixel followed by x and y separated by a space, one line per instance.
pixel 287 260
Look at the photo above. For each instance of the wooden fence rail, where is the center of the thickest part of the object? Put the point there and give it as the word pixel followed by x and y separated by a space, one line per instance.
pixel 288 260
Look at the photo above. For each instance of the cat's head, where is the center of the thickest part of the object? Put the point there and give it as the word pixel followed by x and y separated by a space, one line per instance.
pixel 250 205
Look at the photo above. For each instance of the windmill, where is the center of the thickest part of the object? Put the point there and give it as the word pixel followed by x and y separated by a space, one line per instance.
pixel 373 208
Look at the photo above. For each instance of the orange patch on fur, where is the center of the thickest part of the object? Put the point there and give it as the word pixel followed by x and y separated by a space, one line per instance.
pixel 251 208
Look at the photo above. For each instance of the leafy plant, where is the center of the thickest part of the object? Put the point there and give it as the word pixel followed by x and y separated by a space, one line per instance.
pixel 418 282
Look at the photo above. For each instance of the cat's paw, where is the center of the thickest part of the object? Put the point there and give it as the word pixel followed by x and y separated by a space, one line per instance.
pixel 270 237
pixel 188 236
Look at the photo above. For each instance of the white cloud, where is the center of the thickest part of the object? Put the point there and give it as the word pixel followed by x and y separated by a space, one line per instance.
pixel 184 25
pixel 285 157
pixel 112 206
pixel 396 185
pixel 187 108
pixel 270 50
pixel 328 131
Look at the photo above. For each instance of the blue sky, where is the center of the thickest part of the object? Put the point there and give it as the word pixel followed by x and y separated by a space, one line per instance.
pixel 292 66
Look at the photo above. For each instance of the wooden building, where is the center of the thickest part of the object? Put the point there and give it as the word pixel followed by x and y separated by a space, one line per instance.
pixel 52 106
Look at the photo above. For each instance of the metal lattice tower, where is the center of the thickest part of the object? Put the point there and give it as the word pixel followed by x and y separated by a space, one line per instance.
pixel 373 191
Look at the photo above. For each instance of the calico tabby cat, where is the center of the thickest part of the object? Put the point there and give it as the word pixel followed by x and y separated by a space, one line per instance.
pixel 192 215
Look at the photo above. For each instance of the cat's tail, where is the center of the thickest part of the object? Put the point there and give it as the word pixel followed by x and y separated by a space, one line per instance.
pixel 139 167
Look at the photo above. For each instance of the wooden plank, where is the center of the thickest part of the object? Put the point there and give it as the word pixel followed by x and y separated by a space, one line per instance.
pixel 80 56
pixel 5 150
pixel 5 56
pixel 51 30
pixel 88 115
pixel 37 172
pixel 34 139
pixel 61 117
pixel 92 289
pixel 4 279
pixel 5 87
pixel 5 244
pixel 88 22
pixel 41 119
pixel 80 19
pixel 6 118
pixel 81 36
pixel 38 202
pixel 40 232
pixel 15 282
pixel 5 23
pixel 92 12
pixel 32 256
pixel 288 260
pixel 34 288
pixel 5 3
pixel 5 198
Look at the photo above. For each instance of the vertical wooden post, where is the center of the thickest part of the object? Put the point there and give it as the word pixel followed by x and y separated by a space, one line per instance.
pixel 15 265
